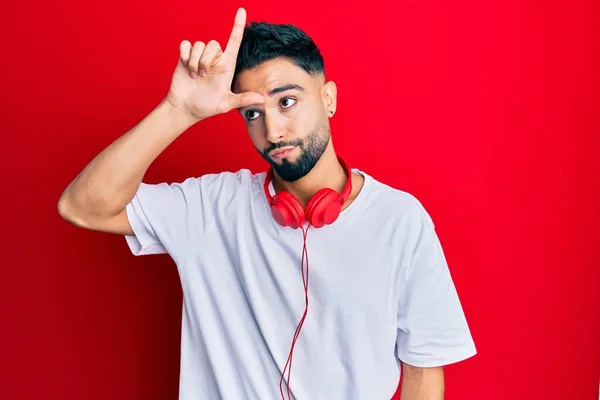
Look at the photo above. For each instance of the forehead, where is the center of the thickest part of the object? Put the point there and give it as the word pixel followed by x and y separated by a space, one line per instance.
pixel 272 74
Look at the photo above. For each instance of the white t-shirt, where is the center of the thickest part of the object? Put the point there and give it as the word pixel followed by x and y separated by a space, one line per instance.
pixel 379 290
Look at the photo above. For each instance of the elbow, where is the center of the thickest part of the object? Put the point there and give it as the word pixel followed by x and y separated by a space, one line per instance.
pixel 66 208
pixel 84 211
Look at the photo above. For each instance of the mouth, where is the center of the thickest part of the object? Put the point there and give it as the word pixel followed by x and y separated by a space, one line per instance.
pixel 281 153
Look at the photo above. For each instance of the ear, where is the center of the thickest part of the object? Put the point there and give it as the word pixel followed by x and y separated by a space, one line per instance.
pixel 329 94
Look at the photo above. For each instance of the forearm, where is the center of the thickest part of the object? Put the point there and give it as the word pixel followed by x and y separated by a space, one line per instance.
pixel 110 180
pixel 422 383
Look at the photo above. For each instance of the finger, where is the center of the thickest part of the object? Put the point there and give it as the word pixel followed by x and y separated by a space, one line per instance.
pixel 195 57
pixel 212 51
pixel 237 32
pixel 185 48
pixel 245 99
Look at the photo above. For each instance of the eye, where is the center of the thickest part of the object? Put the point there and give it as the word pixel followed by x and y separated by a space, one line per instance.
pixel 290 101
pixel 249 114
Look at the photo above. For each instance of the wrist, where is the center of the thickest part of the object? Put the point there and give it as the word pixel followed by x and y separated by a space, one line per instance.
pixel 178 116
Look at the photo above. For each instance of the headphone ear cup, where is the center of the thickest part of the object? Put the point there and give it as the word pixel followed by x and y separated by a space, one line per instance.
pixel 287 210
pixel 323 208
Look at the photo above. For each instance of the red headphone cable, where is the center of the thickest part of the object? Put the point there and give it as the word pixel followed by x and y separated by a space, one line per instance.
pixel 301 323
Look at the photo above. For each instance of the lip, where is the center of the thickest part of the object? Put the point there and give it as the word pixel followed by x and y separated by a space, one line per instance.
pixel 281 153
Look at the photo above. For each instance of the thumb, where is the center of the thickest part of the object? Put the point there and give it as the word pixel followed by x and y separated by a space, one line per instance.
pixel 245 99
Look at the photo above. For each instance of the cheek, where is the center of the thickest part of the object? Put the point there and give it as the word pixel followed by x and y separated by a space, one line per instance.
pixel 302 118
pixel 257 136
pixel 306 120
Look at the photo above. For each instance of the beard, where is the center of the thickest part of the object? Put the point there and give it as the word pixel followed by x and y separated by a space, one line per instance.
pixel 311 149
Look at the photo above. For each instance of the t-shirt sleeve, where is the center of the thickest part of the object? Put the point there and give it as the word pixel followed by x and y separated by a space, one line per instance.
pixel 431 327
pixel 159 215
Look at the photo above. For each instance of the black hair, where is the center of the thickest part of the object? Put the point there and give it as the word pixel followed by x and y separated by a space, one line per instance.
pixel 263 41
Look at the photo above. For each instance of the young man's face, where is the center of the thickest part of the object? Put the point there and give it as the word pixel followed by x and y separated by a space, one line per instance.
pixel 291 129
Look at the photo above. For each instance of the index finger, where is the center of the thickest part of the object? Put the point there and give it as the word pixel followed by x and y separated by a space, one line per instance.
pixel 237 32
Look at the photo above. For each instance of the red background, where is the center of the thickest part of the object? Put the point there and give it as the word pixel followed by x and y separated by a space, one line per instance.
pixel 486 111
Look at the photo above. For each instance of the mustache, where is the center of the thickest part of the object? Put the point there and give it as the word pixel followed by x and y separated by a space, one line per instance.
pixel 279 145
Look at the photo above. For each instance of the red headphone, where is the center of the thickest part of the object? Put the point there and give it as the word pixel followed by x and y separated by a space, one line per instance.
pixel 322 209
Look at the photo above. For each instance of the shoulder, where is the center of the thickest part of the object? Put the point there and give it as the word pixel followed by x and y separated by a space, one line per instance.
pixel 239 177
pixel 395 203
pixel 220 182
pixel 207 187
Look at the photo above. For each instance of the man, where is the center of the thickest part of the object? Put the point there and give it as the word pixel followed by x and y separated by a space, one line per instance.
pixel 254 250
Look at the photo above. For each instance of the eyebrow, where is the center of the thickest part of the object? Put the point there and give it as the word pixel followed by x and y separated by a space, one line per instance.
pixel 281 89
pixel 285 89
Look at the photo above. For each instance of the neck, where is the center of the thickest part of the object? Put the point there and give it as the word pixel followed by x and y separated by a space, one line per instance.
pixel 327 172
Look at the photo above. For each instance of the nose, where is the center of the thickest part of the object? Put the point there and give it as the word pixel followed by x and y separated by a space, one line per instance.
pixel 275 128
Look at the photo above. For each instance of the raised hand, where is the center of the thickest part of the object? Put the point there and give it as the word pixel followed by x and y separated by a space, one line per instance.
pixel 201 83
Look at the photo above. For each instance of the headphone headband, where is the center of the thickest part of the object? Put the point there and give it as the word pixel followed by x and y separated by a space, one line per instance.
pixel 344 194
pixel 322 209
